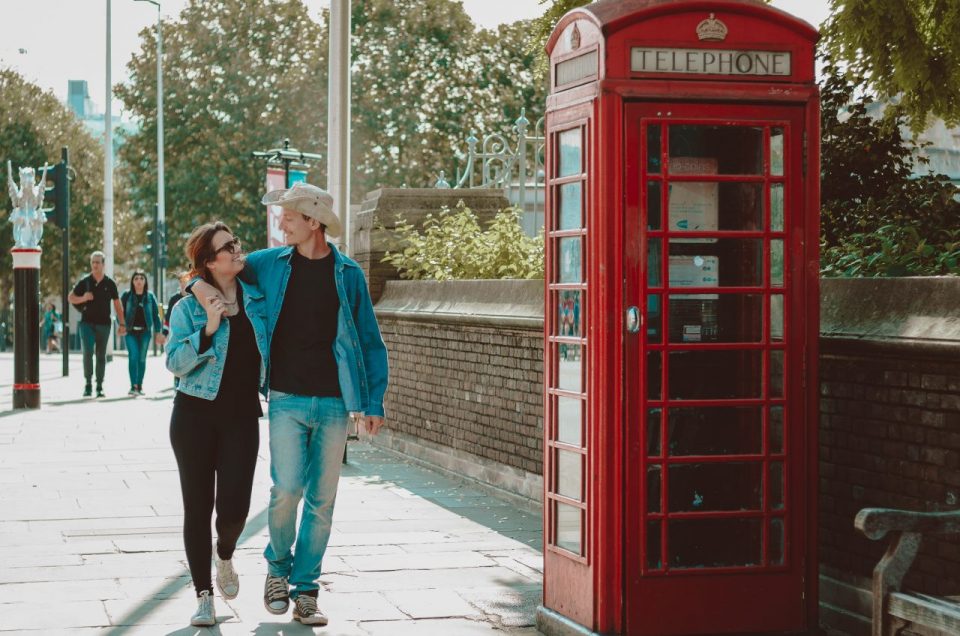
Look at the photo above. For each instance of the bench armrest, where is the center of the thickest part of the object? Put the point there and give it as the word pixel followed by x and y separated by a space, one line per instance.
pixel 875 523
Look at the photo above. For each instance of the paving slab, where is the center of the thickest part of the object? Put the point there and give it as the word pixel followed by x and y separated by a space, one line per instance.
pixel 90 513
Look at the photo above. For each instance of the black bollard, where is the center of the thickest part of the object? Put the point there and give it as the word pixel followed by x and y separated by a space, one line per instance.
pixel 26 338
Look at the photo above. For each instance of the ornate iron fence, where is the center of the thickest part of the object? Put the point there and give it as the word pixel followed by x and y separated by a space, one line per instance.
pixel 516 168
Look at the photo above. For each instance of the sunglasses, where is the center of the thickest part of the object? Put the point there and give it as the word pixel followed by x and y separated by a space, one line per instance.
pixel 233 246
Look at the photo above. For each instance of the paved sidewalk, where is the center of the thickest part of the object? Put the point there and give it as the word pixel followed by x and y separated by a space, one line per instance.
pixel 90 531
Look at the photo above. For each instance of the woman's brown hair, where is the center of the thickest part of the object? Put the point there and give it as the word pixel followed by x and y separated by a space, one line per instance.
pixel 200 250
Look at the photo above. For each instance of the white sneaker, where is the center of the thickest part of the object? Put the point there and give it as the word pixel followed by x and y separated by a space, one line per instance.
pixel 227 580
pixel 205 616
pixel 306 612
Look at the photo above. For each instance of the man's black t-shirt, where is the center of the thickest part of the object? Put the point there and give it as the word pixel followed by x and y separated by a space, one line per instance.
pixel 97 311
pixel 302 360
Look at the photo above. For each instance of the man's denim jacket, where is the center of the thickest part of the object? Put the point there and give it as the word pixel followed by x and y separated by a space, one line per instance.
pixel 200 373
pixel 359 350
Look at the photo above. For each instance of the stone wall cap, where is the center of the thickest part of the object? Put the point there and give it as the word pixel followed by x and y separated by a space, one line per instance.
pixel 467 299
pixel 921 308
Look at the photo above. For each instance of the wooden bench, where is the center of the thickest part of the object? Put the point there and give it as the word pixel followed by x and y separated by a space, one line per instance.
pixel 893 609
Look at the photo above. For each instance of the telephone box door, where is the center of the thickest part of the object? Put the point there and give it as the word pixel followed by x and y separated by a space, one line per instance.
pixel 715 419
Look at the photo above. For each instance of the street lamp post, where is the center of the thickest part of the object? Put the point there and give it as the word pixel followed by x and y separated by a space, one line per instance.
pixel 161 228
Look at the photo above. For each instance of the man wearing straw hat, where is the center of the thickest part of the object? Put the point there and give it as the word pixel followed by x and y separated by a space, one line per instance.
pixel 327 361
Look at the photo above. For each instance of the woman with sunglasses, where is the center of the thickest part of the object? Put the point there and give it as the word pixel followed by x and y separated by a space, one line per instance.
pixel 218 352
pixel 143 319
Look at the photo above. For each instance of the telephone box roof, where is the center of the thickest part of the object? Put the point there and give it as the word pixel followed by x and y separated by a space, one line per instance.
pixel 613 15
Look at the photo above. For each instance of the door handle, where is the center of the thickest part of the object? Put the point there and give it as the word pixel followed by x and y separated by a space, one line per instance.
pixel 633 319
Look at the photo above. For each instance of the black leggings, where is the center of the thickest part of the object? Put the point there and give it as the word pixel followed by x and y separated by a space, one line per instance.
pixel 217 457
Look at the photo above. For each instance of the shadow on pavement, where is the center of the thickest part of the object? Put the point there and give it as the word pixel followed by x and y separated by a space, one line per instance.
pixel 130 620
pixel 465 498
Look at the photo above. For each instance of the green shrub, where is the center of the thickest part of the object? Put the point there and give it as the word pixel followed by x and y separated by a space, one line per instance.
pixel 452 246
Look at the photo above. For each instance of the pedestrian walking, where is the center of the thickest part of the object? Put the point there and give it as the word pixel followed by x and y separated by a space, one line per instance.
pixel 143 321
pixel 218 349
pixel 51 329
pixel 327 359
pixel 92 297
pixel 183 279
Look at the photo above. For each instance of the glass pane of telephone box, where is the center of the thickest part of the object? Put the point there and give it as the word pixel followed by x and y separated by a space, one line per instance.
pixel 776 429
pixel 776 541
pixel 654 556
pixel 653 149
pixel 571 153
pixel 726 150
pixel 654 206
pixel 716 318
pixel 653 432
pixel 725 262
pixel 570 206
pixel 776 207
pixel 569 313
pixel 570 421
pixel 708 207
pixel 715 375
pixel 654 476
pixel 776 152
pixel 569 530
pixel 570 261
pixel 569 476
pixel 711 543
pixel 570 367
pixel 715 430
pixel 715 487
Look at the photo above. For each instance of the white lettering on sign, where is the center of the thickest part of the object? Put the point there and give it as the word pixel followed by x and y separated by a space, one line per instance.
pixel 709 61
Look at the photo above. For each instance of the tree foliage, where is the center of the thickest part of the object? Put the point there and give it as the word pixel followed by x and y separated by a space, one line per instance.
pixel 238 77
pixel 241 76
pixel 907 50
pixel 452 246
pixel 423 78
pixel 34 125
pixel 876 220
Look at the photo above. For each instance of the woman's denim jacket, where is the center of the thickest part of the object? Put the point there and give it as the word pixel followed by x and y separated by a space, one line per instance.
pixel 359 350
pixel 151 311
pixel 200 373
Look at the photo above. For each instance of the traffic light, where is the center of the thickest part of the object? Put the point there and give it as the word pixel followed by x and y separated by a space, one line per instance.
pixel 58 194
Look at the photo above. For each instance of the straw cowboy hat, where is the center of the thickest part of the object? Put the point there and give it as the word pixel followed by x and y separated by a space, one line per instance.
pixel 309 200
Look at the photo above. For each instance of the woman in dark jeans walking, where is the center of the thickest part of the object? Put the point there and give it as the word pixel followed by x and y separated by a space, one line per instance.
pixel 143 320
pixel 218 351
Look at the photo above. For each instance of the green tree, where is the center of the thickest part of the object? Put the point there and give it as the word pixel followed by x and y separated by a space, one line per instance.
pixel 423 78
pixel 903 49
pixel 34 125
pixel 876 219
pixel 238 77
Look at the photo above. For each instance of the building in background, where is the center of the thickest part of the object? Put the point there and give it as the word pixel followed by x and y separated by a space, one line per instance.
pixel 78 100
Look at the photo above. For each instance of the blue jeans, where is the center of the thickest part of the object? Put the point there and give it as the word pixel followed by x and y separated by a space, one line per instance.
pixel 137 345
pixel 307 437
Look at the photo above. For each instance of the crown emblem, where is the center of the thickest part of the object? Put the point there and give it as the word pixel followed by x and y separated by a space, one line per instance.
pixel 712 30
pixel 575 37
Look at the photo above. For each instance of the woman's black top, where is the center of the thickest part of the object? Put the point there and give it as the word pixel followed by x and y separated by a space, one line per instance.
pixel 139 322
pixel 240 383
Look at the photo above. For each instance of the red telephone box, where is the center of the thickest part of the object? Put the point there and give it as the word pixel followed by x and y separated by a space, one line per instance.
pixel 681 320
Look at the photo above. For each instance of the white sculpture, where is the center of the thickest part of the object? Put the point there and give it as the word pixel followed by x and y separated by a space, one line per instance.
pixel 27 216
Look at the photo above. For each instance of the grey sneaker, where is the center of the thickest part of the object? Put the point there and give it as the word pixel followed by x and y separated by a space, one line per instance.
pixel 305 611
pixel 205 616
pixel 227 580
pixel 276 594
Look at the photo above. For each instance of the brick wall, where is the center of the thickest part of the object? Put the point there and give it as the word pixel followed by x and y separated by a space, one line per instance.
pixel 466 368
pixel 889 418
pixel 471 388
pixel 889 438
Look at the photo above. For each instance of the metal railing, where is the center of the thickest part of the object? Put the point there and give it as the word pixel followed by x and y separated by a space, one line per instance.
pixel 516 168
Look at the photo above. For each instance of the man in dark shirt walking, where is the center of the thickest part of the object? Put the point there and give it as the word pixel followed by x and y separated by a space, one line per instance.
pixel 92 296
